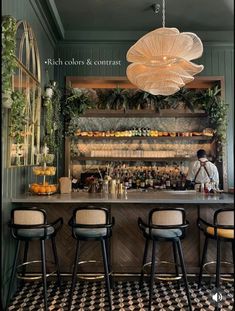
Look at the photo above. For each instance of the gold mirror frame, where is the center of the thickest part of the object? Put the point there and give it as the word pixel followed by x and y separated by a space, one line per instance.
pixel 27 78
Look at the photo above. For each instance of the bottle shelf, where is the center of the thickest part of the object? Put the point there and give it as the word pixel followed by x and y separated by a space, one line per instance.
pixel 132 159
pixel 158 138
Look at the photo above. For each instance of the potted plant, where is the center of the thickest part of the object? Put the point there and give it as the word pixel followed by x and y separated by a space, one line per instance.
pixel 78 101
pixel 145 100
pixel 8 58
pixel 117 99
pixel 183 99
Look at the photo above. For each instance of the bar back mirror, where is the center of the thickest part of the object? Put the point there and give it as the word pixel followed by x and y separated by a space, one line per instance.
pixel 24 115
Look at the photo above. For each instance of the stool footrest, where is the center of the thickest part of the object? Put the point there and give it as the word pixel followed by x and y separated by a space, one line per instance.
pixel 90 276
pixel 164 276
pixel 27 276
pixel 214 263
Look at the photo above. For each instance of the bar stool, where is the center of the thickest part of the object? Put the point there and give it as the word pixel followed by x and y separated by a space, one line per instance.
pixel 94 224
pixel 29 224
pixel 222 230
pixel 164 224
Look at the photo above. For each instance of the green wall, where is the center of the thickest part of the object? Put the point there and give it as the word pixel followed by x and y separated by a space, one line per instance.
pixel 15 180
pixel 218 60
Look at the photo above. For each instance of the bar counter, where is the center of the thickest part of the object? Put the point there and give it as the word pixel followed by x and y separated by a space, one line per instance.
pixel 178 197
pixel 127 242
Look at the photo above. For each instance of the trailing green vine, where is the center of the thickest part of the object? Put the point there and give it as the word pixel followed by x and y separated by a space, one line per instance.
pixel 53 123
pixel 8 57
pixel 18 118
pixel 216 108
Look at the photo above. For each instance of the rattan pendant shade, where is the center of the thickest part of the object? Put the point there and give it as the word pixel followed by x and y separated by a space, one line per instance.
pixel 161 60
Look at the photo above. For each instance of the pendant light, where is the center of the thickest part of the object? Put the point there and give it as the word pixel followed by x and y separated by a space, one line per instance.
pixel 161 60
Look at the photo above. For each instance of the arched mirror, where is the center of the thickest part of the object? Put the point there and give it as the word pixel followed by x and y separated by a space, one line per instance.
pixel 24 116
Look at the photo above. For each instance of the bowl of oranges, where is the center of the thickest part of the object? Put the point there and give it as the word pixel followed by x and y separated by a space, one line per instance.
pixel 43 189
pixel 44 171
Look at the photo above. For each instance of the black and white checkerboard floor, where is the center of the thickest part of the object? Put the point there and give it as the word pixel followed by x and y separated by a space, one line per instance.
pixel 126 296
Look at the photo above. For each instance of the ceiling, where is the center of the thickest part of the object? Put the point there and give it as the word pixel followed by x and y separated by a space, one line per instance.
pixel 137 15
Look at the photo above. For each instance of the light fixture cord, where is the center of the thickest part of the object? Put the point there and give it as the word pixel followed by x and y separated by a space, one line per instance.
pixel 163 13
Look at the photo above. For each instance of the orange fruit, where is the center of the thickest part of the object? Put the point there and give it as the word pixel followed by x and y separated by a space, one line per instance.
pixel 42 189
pixel 48 189
pixel 53 188
pixel 36 189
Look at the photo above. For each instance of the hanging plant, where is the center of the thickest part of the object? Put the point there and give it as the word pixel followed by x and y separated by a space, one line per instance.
pixel 8 58
pixel 53 123
pixel 18 118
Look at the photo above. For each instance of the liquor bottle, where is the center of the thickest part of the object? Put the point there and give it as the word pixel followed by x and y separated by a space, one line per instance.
pixel 74 184
pixel 130 182
pixel 126 182
pixel 168 182
pixel 142 181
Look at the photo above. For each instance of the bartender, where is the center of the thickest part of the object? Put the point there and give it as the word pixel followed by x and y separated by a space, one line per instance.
pixel 202 171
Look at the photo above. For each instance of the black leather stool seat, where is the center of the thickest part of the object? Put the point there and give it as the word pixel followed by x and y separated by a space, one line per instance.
pixel 35 233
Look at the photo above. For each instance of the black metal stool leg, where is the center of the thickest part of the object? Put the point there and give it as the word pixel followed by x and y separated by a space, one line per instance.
pixel 56 260
pixel 152 275
pixel 143 263
pixel 233 250
pixel 217 279
pixel 107 245
pixel 176 262
pixel 26 248
pixel 203 261
pixel 106 270
pixel 184 274
pixel 13 271
pixel 74 277
pixel 43 255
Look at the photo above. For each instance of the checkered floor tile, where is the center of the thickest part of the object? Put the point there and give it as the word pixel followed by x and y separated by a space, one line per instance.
pixel 126 296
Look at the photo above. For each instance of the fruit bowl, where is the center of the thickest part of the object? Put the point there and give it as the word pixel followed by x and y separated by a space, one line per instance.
pixel 44 171
pixel 40 189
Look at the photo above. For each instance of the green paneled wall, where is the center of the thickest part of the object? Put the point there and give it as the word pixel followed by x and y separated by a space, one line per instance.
pixel 15 180
pixel 218 60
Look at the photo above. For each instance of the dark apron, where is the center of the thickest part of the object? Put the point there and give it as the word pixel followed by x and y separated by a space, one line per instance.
pixel 202 164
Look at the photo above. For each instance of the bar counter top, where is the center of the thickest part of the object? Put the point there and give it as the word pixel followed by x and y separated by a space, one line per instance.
pixel 177 197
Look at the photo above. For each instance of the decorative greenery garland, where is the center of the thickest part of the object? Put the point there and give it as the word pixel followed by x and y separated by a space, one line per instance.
pixel 209 100
pixel 8 58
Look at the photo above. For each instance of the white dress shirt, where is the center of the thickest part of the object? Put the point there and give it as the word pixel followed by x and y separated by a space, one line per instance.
pixel 202 176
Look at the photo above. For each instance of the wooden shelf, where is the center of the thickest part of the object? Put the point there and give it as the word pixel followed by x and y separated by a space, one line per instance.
pixel 132 159
pixel 165 113
pixel 160 138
